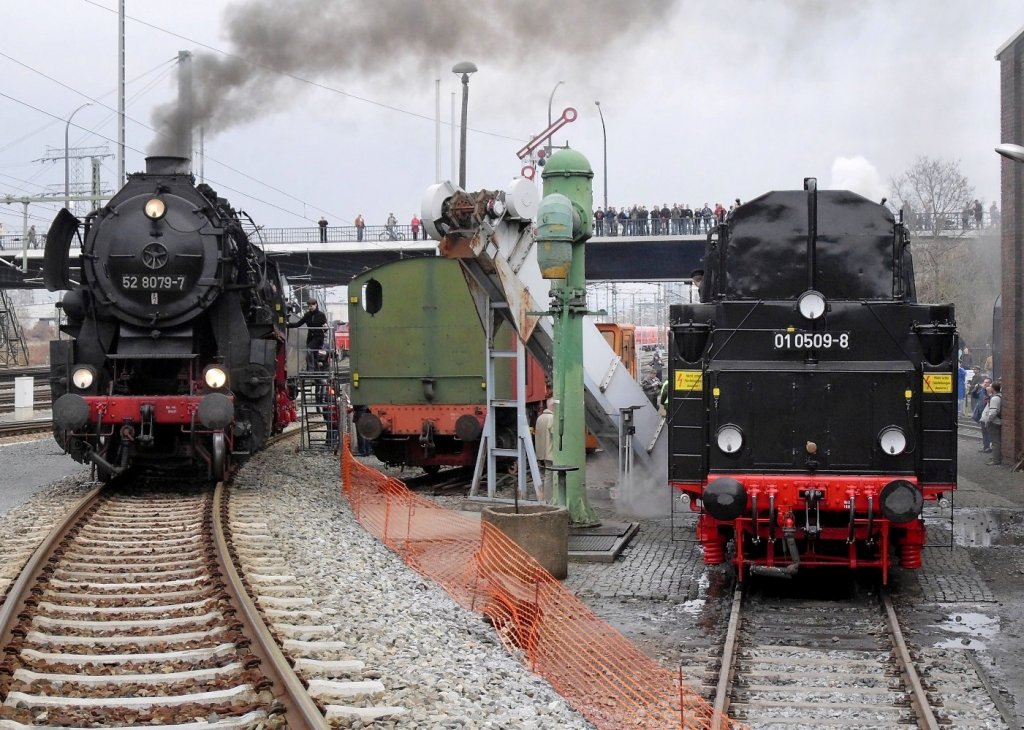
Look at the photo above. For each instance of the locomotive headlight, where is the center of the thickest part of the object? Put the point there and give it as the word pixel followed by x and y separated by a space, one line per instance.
pixel 215 377
pixel 82 377
pixel 892 440
pixel 155 208
pixel 811 304
pixel 729 438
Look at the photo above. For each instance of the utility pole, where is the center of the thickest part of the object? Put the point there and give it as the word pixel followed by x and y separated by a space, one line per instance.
pixel 120 94
pixel 184 132
pixel 29 199
pixel 75 180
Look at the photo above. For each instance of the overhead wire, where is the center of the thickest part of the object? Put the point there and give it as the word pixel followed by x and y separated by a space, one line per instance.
pixel 296 77
pixel 169 64
pixel 287 74
pixel 134 149
pixel 148 127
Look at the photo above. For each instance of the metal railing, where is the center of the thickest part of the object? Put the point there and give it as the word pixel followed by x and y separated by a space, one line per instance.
pixel 340 234
pixel 950 226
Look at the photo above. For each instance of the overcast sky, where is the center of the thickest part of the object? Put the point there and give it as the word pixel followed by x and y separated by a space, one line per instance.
pixel 327 106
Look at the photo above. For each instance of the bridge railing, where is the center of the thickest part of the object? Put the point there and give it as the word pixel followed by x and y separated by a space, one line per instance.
pixel 376 234
pixel 339 234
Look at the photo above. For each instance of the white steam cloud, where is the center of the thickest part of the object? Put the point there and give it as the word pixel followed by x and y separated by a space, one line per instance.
pixel 858 175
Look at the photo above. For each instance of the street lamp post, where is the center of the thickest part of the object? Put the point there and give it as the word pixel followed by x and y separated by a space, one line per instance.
pixel 465 68
pixel 1011 151
pixel 67 163
pixel 604 137
pixel 551 99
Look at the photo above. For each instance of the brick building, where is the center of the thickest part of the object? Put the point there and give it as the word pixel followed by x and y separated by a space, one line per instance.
pixel 1011 69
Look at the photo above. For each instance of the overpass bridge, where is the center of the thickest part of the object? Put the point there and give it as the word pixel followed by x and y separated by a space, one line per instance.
pixel 305 260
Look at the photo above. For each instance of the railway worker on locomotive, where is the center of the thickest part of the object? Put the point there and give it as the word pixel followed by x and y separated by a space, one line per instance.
pixel 315 323
pixel 175 360
pixel 812 401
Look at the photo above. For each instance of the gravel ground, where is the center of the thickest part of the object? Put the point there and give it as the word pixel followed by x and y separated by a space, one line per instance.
pixel 446 665
pixel 441 662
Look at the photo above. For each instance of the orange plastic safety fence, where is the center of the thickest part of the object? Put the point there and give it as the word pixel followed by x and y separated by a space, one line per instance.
pixel 600 672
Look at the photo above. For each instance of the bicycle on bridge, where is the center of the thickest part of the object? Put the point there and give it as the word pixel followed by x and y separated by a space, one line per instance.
pixel 391 235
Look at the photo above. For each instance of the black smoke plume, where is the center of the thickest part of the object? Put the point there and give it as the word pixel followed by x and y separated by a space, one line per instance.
pixel 274 40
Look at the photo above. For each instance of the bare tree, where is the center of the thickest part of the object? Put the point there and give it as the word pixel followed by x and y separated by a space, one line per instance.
pixel 948 266
pixel 933 194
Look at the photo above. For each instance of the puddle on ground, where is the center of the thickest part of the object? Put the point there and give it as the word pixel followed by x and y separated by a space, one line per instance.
pixel 984 528
pixel 970 631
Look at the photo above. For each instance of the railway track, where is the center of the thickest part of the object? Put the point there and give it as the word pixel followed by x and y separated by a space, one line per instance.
pixel 167 608
pixel 35 371
pixel 27 428
pixel 41 401
pixel 812 663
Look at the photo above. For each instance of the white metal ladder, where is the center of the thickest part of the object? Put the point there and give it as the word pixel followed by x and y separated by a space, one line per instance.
pixel 524 452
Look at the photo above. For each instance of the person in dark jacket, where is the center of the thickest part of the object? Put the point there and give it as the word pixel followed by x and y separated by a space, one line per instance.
pixel 315 322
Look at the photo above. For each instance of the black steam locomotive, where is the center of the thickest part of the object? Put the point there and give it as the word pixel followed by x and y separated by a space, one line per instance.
pixel 812 401
pixel 176 359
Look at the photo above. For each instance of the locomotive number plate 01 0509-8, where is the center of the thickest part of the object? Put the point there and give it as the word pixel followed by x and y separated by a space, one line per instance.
pixel 153 282
pixel 811 340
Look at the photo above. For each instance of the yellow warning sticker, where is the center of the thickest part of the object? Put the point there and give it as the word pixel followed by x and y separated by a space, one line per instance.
pixel 937 383
pixel 689 380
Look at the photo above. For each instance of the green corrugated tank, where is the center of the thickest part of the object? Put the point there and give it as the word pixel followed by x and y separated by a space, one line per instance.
pixel 413 321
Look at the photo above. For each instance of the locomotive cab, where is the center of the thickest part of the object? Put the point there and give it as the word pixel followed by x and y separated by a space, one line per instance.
pixel 812 400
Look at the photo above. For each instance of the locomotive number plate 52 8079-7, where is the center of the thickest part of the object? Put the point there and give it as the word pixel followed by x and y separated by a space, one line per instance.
pixel 811 340
pixel 153 282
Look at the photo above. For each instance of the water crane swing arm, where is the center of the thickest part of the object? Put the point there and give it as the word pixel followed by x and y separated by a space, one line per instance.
pixel 499 252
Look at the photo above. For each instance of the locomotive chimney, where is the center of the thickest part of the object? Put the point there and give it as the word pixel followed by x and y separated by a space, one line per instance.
pixel 161 165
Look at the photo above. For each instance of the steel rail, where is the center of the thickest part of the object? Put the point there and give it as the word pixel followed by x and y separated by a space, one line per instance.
pixel 19 591
pixel 35 371
pixel 301 711
pixel 728 660
pixel 38 425
pixel 918 696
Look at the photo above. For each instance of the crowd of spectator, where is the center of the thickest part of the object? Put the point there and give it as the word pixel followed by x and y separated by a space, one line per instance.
pixel 679 220
pixel 972 216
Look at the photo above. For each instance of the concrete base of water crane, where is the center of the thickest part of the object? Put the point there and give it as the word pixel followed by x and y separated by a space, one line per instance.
pixel 541 530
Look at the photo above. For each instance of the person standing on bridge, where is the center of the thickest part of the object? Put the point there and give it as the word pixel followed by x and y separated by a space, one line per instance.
pixel 392 222
pixel 323 229
pixel 360 225
pixel 415 225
